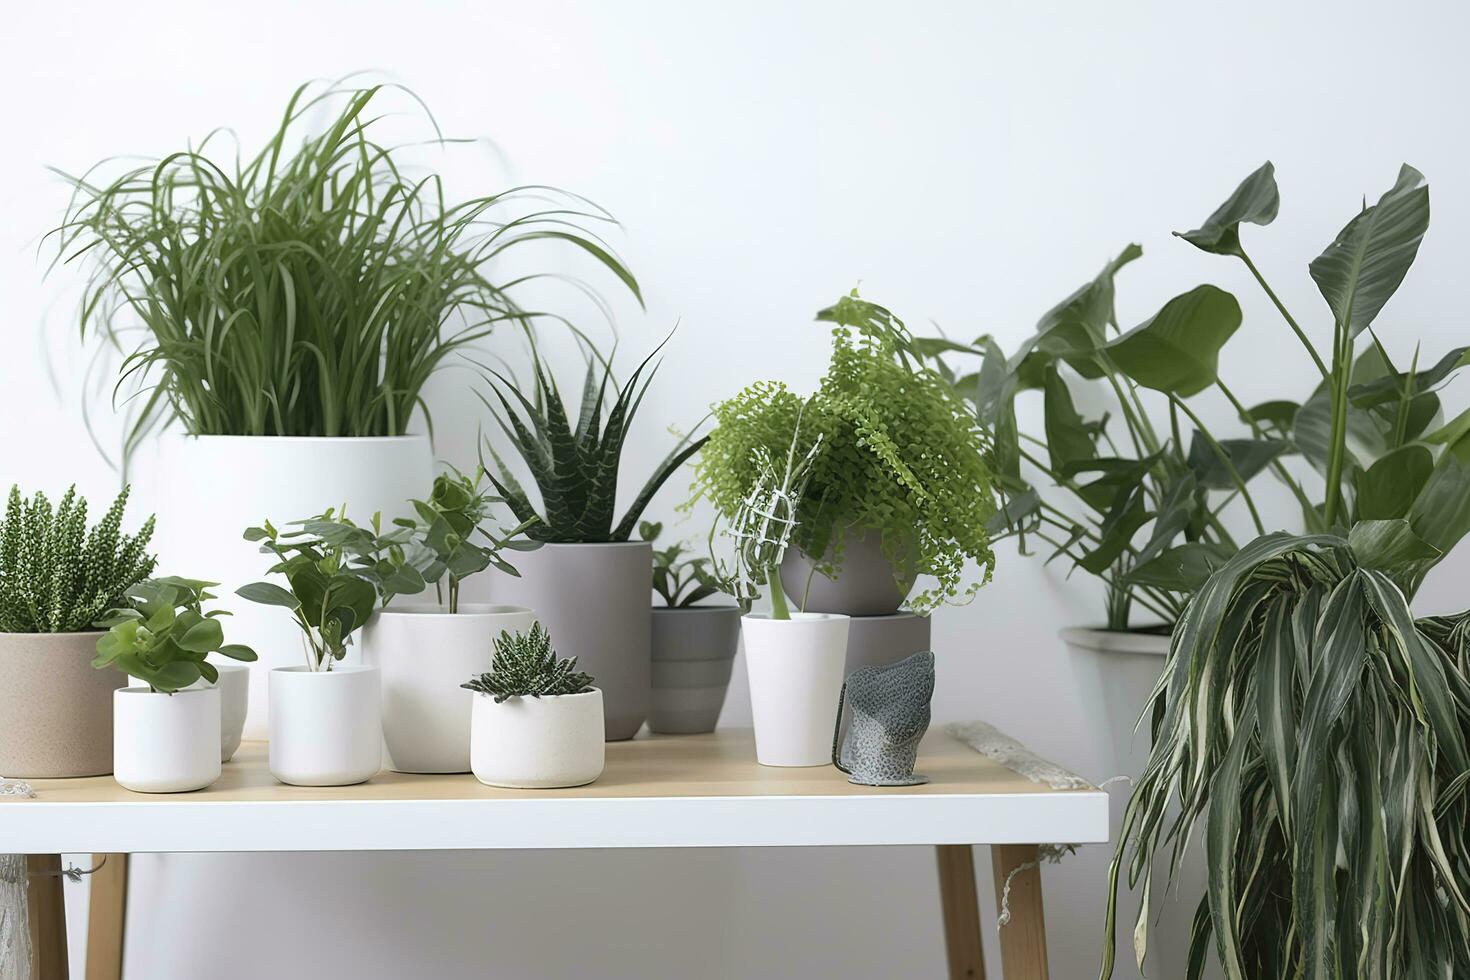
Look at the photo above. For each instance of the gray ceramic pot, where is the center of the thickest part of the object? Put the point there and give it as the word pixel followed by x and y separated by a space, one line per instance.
pixel 865 584
pixel 55 708
pixel 693 649
pixel 593 600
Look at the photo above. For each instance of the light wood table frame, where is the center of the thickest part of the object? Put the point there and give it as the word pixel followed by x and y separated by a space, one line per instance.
pixel 657 791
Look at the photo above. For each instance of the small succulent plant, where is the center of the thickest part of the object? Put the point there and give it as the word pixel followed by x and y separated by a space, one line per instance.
pixel 525 665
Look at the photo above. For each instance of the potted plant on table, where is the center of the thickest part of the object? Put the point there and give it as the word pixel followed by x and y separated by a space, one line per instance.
pixel 796 660
pixel 285 307
pixel 537 720
pixel 693 645
pixel 424 649
pixel 587 581
pixel 58 577
pixel 326 718
pixel 167 736
pixel 1313 726
pixel 900 490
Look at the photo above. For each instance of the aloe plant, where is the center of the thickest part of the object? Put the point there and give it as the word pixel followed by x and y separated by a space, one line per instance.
pixel 574 463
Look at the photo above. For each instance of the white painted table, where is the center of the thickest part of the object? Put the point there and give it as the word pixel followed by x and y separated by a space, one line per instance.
pixel 657 791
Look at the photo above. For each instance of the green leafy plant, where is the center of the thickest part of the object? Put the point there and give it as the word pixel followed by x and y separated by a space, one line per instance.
pixel 763 522
pixel 59 576
pixel 901 455
pixel 308 290
pixel 335 572
pixel 525 666
pixel 679 580
pixel 574 463
pixel 1305 717
pixel 444 534
pixel 163 635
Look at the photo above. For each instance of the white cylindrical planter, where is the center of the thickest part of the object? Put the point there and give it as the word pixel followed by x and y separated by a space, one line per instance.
pixel 234 702
pixel 424 655
pixel 796 671
pixel 165 743
pixel 326 727
pixel 210 488
pixel 537 743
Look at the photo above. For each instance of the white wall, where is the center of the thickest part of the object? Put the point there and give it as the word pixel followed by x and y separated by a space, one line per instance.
pixel 968 163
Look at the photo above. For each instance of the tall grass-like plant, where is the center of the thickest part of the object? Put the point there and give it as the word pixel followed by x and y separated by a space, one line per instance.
pixel 1315 729
pixel 57 575
pixel 310 289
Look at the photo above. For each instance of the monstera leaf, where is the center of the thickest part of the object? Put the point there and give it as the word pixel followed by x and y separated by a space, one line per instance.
pixel 1255 201
pixel 1177 350
pixel 1364 265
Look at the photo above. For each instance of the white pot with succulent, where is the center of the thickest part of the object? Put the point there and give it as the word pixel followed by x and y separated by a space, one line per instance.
pixel 537 722
pixel 166 736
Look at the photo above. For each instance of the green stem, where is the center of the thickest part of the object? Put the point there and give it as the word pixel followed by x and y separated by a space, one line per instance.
pixel 1276 467
pixel 453 594
pixel 1295 327
pixel 779 609
pixel 1342 360
pixel 1224 458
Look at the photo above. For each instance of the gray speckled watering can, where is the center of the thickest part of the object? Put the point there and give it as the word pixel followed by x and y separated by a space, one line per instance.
pixel 889 709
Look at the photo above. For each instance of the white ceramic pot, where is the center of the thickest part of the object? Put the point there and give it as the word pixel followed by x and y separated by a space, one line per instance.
pixel 210 488
pixel 234 701
pixel 326 727
pixel 424 655
pixel 537 743
pixel 165 743
pixel 796 671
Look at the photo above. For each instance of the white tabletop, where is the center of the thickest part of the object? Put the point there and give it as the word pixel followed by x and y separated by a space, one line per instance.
pixel 657 791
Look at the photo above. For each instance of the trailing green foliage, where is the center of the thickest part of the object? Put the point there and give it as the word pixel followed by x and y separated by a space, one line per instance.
pixel 443 537
pixel 59 576
pixel 308 290
pixel 679 581
pixel 574 463
pixel 901 455
pixel 163 635
pixel 525 666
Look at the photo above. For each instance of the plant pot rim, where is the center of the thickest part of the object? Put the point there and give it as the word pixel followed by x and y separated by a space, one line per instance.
pixel 314 440
pixel 1122 642
pixel 797 617
pixel 590 544
pixel 165 694
pixel 68 633
pixel 697 609
pixel 467 610
pixel 231 667
pixel 343 669
pixel 544 697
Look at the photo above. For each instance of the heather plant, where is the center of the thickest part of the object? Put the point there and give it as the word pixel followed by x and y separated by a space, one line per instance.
pixel 59 576
pixel 526 666
pixel 163 635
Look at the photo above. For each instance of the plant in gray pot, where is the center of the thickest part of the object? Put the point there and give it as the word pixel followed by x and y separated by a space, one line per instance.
pixel 900 490
pixel 58 577
pixel 587 582
pixel 693 645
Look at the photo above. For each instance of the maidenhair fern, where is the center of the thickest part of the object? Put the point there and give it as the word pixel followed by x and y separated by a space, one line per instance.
pixel 56 576
pixel 525 665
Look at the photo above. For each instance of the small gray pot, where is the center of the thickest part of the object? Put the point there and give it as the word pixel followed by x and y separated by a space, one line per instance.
pixel 593 600
pixel 55 707
pixel 866 583
pixel 693 649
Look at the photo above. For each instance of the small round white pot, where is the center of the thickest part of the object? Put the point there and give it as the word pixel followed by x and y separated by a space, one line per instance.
pixel 234 703
pixel 165 743
pixel 796 670
pixel 326 726
pixel 537 743
pixel 425 654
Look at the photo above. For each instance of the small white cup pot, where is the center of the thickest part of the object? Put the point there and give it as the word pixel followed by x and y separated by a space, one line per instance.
pixel 796 668
pixel 326 727
pixel 537 743
pixel 425 654
pixel 234 702
pixel 165 743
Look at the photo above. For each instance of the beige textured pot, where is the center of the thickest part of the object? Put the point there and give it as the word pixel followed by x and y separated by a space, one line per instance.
pixel 55 708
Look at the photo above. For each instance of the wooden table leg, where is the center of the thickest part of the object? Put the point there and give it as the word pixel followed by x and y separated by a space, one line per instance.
pixel 1023 938
pixel 48 917
pixel 961 909
pixel 106 917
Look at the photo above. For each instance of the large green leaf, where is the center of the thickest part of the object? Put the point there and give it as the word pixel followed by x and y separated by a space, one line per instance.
pixel 1392 387
pixel 1177 349
pixel 1453 432
pixel 1074 328
pixel 1069 440
pixel 1387 545
pixel 1180 569
pixel 1388 488
pixel 1255 200
pixel 1441 512
pixel 1247 456
pixel 1361 269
